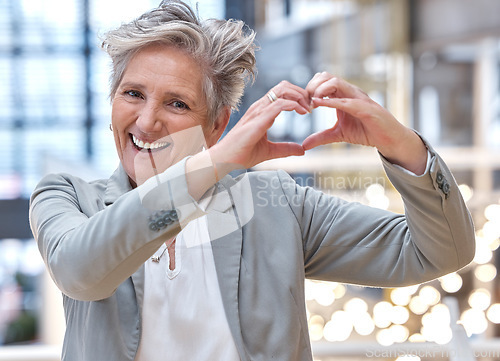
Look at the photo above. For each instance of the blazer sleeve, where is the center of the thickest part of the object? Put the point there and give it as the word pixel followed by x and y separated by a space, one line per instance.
pixel 354 243
pixel 90 252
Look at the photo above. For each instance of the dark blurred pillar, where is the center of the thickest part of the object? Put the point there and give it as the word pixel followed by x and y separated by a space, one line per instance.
pixel 242 10
pixel 89 120
pixel 14 219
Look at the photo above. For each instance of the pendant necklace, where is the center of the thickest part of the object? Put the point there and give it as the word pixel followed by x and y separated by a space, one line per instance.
pixel 157 258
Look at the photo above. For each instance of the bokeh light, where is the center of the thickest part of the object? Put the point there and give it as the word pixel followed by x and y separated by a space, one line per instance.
pixel 402 296
pixel 399 315
pixel 364 325
pixel 418 306
pixel 480 299
pixel 474 321
pixel 451 283
pixel 492 212
pixel 408 358
pixel 355 306
pixel 384 337
pixel 416 337
pixel 399 333
pixel 485 272
pixel 430 295
pixel 316 325
pixel 375 193
pixel 339 328
pixel 491 230
pixel 324 293
pixel 466 192
pixel 493 313
pixel 382 314
pixel 483 251
pixel 339 291
pixel 436 325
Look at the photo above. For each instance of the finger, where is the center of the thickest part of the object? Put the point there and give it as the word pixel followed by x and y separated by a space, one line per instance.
pixel 316 80
pixel 262 119
pixel 287 90
pixel 338 87
pixel 353 107
pixel 270 110
pixel 285 149
pixel 300 96
pixel 282 104
pixel 334 87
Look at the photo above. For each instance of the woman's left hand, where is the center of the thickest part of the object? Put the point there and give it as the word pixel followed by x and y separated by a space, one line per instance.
pixel 362 121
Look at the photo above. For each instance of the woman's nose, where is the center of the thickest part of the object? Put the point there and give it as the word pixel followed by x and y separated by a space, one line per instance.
pixel 148 120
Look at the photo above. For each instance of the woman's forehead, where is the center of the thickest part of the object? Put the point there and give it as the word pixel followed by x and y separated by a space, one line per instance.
pixel 165 69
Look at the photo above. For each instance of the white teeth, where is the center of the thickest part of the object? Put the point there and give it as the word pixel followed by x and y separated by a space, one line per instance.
pixel 147 145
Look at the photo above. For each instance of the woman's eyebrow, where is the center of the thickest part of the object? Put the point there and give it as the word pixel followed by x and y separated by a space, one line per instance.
pixel 173 94
pixel 130 84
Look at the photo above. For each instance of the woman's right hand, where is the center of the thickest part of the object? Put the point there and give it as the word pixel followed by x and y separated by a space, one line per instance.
pixel 247 144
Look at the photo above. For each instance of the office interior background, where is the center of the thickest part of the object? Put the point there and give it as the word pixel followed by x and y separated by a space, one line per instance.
pixel 435 64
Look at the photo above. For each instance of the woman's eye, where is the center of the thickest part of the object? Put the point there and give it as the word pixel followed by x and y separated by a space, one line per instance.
pixel 180 105
pixel 133 93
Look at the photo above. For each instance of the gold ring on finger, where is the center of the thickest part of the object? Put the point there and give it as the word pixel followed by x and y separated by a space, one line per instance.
pixel 272 96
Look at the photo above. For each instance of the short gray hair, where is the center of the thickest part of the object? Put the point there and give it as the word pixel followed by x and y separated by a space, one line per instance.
pixel 225 50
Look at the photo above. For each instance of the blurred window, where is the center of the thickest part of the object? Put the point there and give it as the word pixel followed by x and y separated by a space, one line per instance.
pixel 54 93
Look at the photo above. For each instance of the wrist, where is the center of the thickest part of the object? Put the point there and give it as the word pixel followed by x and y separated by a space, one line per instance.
pixel 219 158
pixel 200 174
pixel 409 152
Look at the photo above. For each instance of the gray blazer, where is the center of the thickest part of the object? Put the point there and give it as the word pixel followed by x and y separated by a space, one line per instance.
pixel 95 237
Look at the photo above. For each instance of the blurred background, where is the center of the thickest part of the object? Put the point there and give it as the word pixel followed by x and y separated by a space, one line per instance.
pixel 435 64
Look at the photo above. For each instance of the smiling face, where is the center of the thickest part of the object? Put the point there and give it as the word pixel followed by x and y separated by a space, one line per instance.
pixel 159 112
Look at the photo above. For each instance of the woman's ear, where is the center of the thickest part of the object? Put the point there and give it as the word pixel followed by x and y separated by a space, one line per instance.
pixel 218 127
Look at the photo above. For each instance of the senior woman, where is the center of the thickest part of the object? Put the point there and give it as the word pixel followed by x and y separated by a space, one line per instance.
pixel 173 259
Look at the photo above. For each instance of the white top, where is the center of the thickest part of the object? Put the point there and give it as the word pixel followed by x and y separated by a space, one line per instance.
pixel 183 317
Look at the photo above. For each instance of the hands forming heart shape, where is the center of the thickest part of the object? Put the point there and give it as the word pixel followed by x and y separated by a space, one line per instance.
pixel 360 121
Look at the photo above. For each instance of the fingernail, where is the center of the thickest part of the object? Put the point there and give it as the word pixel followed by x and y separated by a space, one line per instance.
pixel 311 107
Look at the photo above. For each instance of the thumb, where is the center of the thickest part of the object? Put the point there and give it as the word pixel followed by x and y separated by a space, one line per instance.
pixel 326 136
pixel 285 149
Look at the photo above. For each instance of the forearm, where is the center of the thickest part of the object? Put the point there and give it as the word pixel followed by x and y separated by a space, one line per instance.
pixel 88 258
pixel 89 248
pixel 438 220
pixel 353 243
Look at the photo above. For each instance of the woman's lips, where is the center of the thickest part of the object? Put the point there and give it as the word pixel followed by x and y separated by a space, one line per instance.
pixel 155 145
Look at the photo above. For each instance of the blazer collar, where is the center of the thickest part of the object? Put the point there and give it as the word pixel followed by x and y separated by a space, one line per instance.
pixel 117 185
pixel 226 249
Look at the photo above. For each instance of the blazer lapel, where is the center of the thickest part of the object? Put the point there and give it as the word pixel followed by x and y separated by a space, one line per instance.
pixel 138 281
pixel 117 185
pixel 226 237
